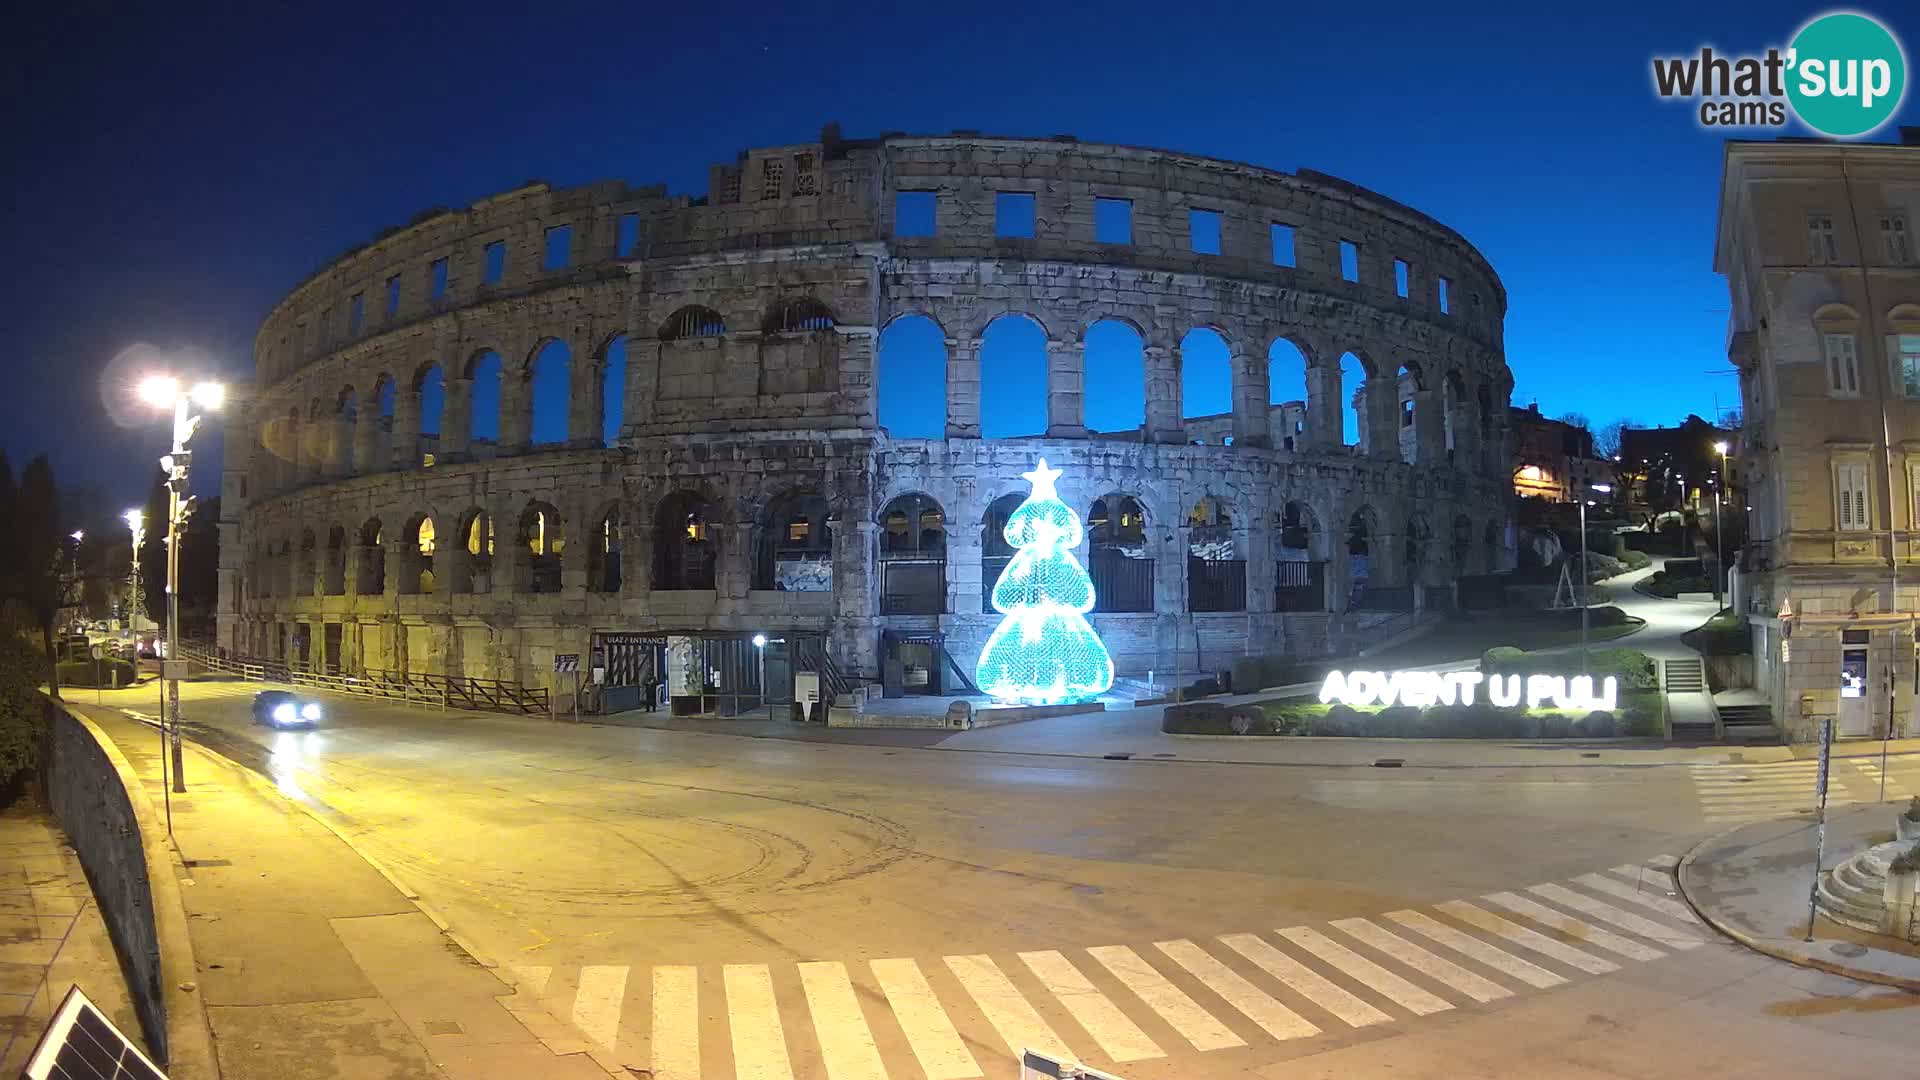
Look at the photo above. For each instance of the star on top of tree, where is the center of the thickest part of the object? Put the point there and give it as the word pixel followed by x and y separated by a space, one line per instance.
pixel 1042 479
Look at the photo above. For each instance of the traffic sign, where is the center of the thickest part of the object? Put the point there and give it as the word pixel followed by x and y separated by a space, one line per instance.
pixel 566 661
pixel 99 652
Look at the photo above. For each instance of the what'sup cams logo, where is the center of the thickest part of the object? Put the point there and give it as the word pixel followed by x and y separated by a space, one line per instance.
pixel 1844 74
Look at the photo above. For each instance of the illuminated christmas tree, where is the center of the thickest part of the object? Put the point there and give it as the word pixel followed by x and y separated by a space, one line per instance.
pixel 1044 652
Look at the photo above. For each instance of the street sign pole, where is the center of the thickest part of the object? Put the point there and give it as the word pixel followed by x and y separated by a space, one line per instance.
pixel 1820 818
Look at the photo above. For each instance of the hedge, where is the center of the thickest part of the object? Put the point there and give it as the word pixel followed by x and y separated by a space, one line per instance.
pixel 1633 668
pixel 112 674
pixel 1640 714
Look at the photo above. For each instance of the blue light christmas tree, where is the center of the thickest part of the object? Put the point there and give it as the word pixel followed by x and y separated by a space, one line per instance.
pixel 1044 652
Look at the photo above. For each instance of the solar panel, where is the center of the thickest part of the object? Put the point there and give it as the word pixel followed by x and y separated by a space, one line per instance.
pixel 82 1044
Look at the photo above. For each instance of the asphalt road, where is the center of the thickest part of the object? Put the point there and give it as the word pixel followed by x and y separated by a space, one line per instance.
pixel 713 906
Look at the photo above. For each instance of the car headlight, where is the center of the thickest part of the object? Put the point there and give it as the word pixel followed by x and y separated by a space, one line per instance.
pixel 310 711
pixel 284 713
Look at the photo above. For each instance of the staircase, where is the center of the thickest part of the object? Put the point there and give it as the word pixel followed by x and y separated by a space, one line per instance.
pixel 1689 719
pixel 1684 676
pixel 1748 723
pixel 1854 893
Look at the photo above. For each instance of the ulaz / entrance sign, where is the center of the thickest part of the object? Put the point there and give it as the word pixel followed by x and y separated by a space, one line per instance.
pixel 1423 688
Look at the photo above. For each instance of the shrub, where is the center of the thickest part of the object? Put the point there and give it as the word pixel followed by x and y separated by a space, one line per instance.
pixel 22 717
pixel 1913 810
pixel 1635 559
pixel 108 673
pixel 1906 862
pixel 1633 668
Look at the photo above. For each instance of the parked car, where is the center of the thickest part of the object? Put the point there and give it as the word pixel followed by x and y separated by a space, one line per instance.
pixel 284 708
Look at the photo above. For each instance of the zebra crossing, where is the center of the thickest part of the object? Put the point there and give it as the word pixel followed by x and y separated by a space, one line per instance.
pixel 1110 1006
pixel 1734 793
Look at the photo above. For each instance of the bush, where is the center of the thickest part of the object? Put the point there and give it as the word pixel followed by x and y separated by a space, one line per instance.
pixel 23 668
pixel 1633 668
pixel 1196 718
pixel 1906 862
pixel 111 674
pixel 1913 810
pixel 1635 560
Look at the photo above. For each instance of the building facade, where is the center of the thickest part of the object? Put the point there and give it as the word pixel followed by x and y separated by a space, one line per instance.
pixel 1552 459
pixel 1815 240
pixel 715 458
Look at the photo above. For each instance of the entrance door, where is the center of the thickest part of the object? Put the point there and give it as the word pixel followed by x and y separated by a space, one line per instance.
pixel 1856 714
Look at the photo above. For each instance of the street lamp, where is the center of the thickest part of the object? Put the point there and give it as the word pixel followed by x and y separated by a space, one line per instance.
pixel 1719 534
pixel 136 525
pixel 1605 489
pixel 760 647
pixel 163 391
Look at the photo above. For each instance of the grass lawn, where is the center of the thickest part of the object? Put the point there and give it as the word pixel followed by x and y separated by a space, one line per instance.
pixel 1725 634
pixel 1485 630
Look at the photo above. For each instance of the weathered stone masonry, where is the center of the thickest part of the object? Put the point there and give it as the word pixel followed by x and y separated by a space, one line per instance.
pixel 751 460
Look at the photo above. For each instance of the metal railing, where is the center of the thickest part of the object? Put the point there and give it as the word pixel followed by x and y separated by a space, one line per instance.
pixel 1300 586
pixel 447 691
pixel 1120 584
pixel 1216 584
pixel 913 587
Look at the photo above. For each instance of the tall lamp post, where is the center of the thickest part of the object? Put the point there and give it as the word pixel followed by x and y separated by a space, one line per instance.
pixel 162 391
pixel 1603 489
pixel 137 525
pixel 1719 534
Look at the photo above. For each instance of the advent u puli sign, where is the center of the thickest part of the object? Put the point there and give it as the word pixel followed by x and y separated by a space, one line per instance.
pixel 1423 688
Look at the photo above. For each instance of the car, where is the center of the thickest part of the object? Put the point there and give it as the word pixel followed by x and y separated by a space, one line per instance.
pixel 284 708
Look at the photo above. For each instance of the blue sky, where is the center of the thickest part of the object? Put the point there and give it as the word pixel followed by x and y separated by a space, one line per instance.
pixel 174 174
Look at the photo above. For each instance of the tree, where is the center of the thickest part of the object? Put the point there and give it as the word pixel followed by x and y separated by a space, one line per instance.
pixel 1044 651
pixel 1579 420
pixel 37 554
pixel 1606 441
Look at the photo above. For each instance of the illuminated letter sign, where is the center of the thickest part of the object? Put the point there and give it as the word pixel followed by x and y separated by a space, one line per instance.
pixel 1424 688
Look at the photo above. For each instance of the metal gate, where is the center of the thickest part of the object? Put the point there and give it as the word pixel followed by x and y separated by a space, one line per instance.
pixel 633 663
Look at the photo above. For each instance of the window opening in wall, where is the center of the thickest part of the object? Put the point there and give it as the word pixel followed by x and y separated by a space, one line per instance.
pixel 1113 221
pixel 1843 366
pixel 495 256
pixel 1206 386
pixel 1850 492
pixel 1353 403
pixel 1282 238
pixel 1893 237
pixel 729 187
pixel 773 178
pixel 1349 260
pixel 1446 302
pixel 1013 378
pixel 1203 231
pixel 1013 213
pixel 1286 392
pixel 1821 249
pixel 806 181
pixel 1401 275
pixel 1116 363
pixel 912 376
pixel 356 313
pixel 559 250
pixel 393 295
pixel 1909 346
pixel 548 383
pixel 693 321
pixel 913 213
pixel 629 235
pixel 439 276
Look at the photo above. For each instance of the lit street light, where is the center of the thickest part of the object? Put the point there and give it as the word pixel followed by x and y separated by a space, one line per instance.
pixel 1605 489
pixel 137 525
pixel 1719 535
pixel 163 391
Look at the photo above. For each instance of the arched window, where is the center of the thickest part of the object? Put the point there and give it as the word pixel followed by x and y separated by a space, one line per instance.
pixel 335 574
pixel 417 557
pixel 548 385
pixel 1216 578
pixel 683 549
pixel 1287 394
pixel 1353 400
pixel 305 574
pixel 1013 378
pixel 613 391
pixel 1454 395
pixel 795 550
pixel 603 553
pixel 1206 386
pixel 372 575
pixel 1412 381
pixel 1299 582
pixel 543 539
pixel 913 556
pixel 483 428
pixel 1118 558
pixel 692 321
pixel 1116 379
pixel 1360 532
pixel 995 552
pixel 912 390
pixel 797 315
pixel 431 387
pixel 472 570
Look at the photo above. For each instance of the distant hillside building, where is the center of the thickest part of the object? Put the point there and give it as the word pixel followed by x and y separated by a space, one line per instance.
pixel 1673 468
pixel 1552 459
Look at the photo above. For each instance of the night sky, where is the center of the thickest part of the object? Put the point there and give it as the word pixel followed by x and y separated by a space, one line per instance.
pixel 173 175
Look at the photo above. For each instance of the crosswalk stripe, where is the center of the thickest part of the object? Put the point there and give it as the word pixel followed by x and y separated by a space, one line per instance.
pixel 1671 937
pixel 1119 1037
pixel 1672 909
pixel 1020 1027
pixel 1363 970
pixel 935 1043
pixel 1585 932
pixel 1182 1013
pixel 596 1006
pixel 532 977
pixel 753 1019
pixel 1466 944
pixel 1254 1003
pixel 1305 981
pixel 846 1044
pixel 1529 939
pixel 1435 967
pixel 1665 862
pixel 676 1023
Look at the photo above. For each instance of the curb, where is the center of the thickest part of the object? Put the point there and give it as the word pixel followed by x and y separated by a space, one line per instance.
pixel 1748 941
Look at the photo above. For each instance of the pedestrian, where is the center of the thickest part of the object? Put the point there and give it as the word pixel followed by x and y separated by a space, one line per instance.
pixel 652 688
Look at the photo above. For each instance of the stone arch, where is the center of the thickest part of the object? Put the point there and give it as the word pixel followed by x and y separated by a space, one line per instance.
pixel 1206 384
pixel 605 547
pixel 540 541
pixel 1300 558
pixel 419 546
pixel 913 556
pixel 1216 564
pixel 306 570
pixel 485 372
pixel 1491 542
pixel 430 395
pixel 692 321
pixel 913 523
pixel 1120 553
pixel 995 552
pixel 797 315
pixel 611 359
pixel 794 549
pixel 470 568
pixel 1289 396
pixel 684 552
pixel 1362 541
pixel 911 395
pixel 370 577
pixel 1114 363
pixel 1013 376
pixel 1417 545
pixel 549 397
pixel 333 573
pixel 1904 319
pixel 1353 374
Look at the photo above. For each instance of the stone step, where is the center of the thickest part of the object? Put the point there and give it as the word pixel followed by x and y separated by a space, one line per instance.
pixel 1847 910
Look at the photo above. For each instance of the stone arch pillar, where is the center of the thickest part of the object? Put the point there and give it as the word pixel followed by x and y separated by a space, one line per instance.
pixel 643 376
pixel 405 442
pixel 1382 414
pixel 339 432
pixel 456 419
pixel 1252 423
pixel 1163 393
pixel 963 388
pixel 856 546
pixel 366 440
pixel 1323 402
pixel 1066 389
pixel 516 406
pixel 586 412
pixel 1255 542
pixel 1429 426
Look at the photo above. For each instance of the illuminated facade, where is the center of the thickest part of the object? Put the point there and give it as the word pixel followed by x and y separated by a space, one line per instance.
pixel 722 462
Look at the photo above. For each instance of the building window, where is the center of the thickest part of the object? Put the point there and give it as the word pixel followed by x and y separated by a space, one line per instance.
pixel 1893 237
pixel 629 235
pixel 730 186
pixel 356 313
pixel 1446 303
pixel 1281 237
pixel 439 274
pixel 1843 366
pixel 1203 231
pixel 805 180
pixel 1013 213
pixel 1349 260
pixel 495 255
pixel 559 248
pixel 913 213
pixel 1850 493
pixel 1113 221
pixel 1820 245
pixel 1402 275
pixel 773 177
pixel 393 295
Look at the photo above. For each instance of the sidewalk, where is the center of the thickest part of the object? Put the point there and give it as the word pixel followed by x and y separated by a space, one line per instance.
pixel 1752 884
pixel 51 936
pixel 313 963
